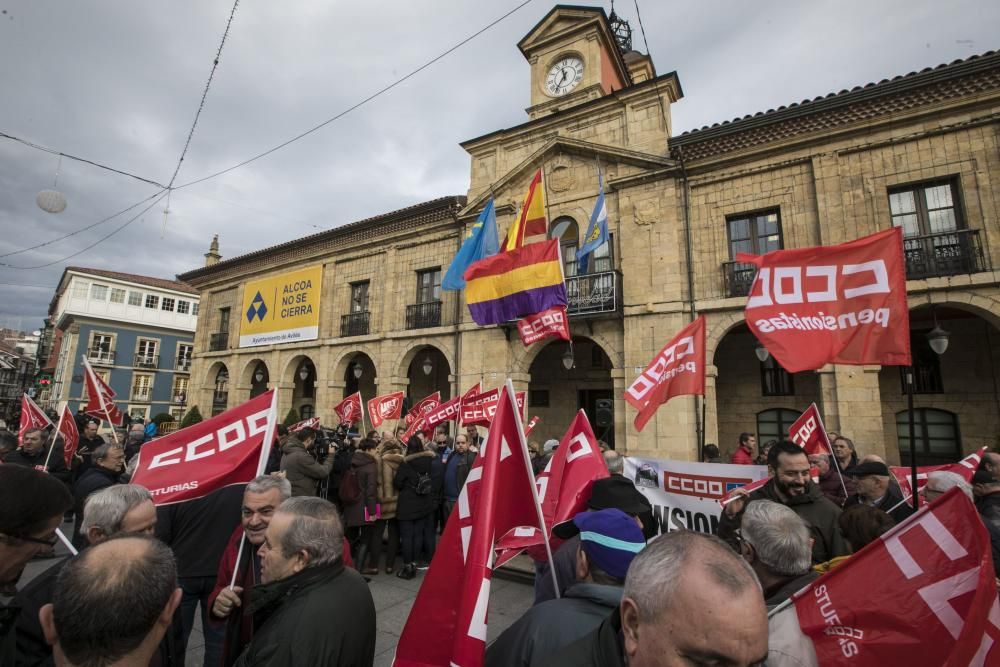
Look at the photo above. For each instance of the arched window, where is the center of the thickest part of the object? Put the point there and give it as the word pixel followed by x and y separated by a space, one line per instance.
pixel 566 230
pixel 307 412
pixel 935 433
pixel 774 424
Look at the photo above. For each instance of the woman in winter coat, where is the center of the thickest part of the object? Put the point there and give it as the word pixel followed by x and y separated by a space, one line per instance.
pixel 361 516
pixel 390 458
pixel 415 505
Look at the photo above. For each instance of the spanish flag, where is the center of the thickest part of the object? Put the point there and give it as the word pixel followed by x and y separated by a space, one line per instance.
pixel 531 223
pixel 515 283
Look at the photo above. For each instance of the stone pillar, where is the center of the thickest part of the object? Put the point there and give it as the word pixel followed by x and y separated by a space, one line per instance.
pixel 618 406
pixel 711 406
pixel 285 391
pixel 851 405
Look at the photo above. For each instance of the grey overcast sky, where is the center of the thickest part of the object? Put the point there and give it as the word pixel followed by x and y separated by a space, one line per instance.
pixel 118 82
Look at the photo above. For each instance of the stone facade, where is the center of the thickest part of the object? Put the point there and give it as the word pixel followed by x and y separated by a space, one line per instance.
pixel 824 168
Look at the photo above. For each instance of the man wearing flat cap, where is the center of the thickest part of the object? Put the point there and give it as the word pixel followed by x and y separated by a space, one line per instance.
pixel 876 488
pixel 608 541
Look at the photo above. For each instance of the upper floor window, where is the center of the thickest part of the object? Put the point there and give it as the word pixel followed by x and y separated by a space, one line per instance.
pixel 754 233
pixel 134 298
pixel 775 380
pixel 80 290
pixel 566 230
pixel 152 301
pixel 429 285
pixel 99 292
pixel 167 304
pixel 194 308
pixel 926 208
pixel 183 307
pixel 936 436
pixel 184 351
pixel 774 424
pixel 223 319
pixel 359 297
pixel 117 295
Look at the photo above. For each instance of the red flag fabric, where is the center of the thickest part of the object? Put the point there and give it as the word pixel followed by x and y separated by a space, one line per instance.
pixel 563 489
pixel 384 408
pixel 32 416
pixel 447 623
pixel 100 397
pixel 550 322
pixel 922 594
pixel 530 426
pixel 419 423
pixel 678 369
pixel 841 304
pixel 312 422
pixel 423 406
pixel 70 435
pixel 349 409
pixel 966 468
pixel 450 410
pixel 227 449
pixel 809 433
pixel 479 409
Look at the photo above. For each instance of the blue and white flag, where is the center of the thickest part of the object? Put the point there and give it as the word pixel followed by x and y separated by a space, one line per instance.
pixel 597 232
pixel 480 242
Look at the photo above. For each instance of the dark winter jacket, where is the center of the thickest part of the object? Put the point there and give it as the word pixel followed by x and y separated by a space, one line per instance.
pixel 833 488
pixel 302 470
pixel 848 481
pixel 819 514
pixel 548 627
pixel 464 464
pixel 323 615
pixel 32 649
pixel 198 530
pixel 565 564
pixel 892 500
pixel 600 648
pixel 57 467
pixel 412 506
pixel 92 481
pixel 989 511
pixel 365 464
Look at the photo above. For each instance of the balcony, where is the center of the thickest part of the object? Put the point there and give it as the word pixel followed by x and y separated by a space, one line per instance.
pixel 146 361
pixel 104 357
pixel 423 315
pixel 183 365
pixel 354 324
pixel 947 254
pixel 220 399
pixel 738 278
pixel 141 394
pixel 593 293
pixel 218 342
pixel 180 398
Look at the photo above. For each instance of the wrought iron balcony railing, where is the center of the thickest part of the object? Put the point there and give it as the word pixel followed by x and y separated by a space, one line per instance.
pixel 218 342
pixel 593 293
pixel 354 324
pixel 423 315
pixel 738 278
pixel 146 361
pixel 106 357
pixel 141 394
pixel 946 254
pixel 183 364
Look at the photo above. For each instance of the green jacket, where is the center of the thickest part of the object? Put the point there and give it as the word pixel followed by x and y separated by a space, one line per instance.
pixel 302 470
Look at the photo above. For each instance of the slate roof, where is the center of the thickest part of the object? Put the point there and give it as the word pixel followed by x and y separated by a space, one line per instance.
pixel 149 281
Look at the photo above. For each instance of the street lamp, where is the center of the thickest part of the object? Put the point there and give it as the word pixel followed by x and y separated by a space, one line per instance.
pixel 761 352
pixel 259 375
pixel 428 366
pixel 303 372
pixel 356 370
pixel 937 338
pixel 568 360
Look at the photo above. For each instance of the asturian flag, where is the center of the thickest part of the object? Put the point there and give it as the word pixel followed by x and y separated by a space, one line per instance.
pixel 480 241
pixel 597 232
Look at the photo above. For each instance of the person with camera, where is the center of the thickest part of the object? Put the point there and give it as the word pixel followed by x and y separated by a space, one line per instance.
pixel 359 494
pixel 304 472
pixel 415 506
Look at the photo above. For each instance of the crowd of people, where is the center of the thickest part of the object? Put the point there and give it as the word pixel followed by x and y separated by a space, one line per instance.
pixel 277 568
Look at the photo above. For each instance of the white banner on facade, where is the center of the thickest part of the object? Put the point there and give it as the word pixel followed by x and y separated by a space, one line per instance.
pixel 685 495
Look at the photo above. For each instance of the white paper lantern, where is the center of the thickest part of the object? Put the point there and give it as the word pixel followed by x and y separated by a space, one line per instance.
pixel 51 201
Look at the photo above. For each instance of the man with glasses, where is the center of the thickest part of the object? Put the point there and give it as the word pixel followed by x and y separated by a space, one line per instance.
pixel 32 505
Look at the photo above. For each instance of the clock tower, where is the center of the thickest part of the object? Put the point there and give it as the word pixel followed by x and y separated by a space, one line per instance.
pixel 578 54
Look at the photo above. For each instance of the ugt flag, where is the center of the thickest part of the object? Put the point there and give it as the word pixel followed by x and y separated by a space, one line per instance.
pixel 923 593
pixel 384 408
pixel 480 241
pixel 841 304
pixel 597 231
pixel 447 624
pixel 678 369
pixel 32 416
pixel 227 449
pixel 349 410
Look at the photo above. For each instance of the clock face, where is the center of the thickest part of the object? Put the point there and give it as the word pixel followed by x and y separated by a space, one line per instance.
pixel 564 76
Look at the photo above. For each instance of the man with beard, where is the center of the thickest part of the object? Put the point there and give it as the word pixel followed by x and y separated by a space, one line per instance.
pixel 791 485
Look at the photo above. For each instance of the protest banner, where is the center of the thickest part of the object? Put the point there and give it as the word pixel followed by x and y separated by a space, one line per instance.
pixel 686 495
pixel 227 449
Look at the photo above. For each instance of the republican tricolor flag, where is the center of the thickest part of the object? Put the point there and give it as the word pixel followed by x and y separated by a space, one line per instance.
pixel 515 283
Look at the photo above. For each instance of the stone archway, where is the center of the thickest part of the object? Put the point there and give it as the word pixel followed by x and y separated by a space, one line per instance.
pixel 299 375
pixel 427 371
pixel 255 375
pixel 218 378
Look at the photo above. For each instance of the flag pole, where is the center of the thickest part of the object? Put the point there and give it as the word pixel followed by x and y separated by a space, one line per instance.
pixel 48 457
pixel 531 483
pixel 239 555
pixel 100 398
pixel 829 448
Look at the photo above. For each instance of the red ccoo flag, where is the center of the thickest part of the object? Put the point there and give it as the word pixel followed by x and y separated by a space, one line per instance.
pixel 809 433
pixel 312 422
pixel 923 593
pixel 70 435
pixel 479 409
pixel 423 406
pixel 100 398
pixel 349 410
pixel 550 322
pixel 966 468
pixel 227 449
pixel 447 624
pixel 841 304
pixel 383 408
pixel 563 489
pixel 31 417
pixel 677 370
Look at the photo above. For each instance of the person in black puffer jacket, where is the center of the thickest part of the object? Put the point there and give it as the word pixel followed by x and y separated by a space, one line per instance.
pixel 415 507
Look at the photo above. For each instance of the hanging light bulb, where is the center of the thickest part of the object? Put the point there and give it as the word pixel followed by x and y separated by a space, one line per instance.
pixel 567 359
pixel 52 201
pixel 937 337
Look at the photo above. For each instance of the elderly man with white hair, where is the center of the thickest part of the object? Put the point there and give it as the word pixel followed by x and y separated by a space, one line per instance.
pixel 875 487
pixel 940 482
pixel 776 542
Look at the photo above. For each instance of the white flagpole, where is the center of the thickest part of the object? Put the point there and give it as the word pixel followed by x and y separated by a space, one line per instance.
pixel 361 404
pixel 239 556
pixel 55 435
pixel 531 480
pixel 100 398
pixel 69 545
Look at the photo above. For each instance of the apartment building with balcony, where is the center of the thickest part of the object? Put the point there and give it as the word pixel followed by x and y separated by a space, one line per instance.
pixel 917 151
pixel 137 332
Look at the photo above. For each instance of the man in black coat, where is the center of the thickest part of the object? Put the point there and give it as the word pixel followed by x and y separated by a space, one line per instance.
pixel 33 454
pixel 309 608
pixel 89 442
pixel 108 464
pixel 875 487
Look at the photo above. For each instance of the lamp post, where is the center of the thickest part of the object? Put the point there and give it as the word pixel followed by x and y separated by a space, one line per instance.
pixel 258 375
pixel 428 366
pixel 568 360
pixel 304 372
pixel 356 370
pixel 937 338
